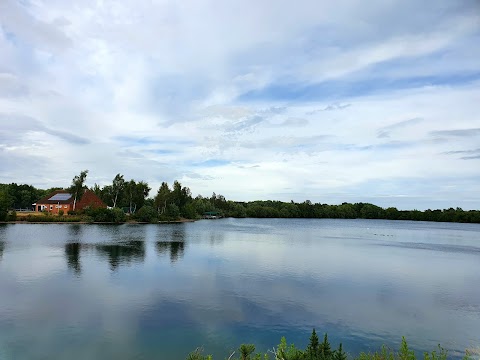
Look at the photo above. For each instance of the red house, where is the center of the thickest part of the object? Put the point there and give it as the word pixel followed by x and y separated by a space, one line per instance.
pixel 63 200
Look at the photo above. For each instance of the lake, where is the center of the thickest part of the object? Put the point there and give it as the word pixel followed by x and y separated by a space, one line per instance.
pixel 73 291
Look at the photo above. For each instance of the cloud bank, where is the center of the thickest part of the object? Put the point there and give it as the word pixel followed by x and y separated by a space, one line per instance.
pixel 324 101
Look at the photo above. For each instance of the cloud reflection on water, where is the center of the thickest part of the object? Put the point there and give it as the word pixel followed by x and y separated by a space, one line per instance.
pixel 255 280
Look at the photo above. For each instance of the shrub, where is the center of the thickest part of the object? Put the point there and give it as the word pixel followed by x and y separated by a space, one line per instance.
pixel 118 216
pixel 60 212
pixel 12 216
pixel 146 214
pixel 106 215
pixel 173 211
pixel 49 218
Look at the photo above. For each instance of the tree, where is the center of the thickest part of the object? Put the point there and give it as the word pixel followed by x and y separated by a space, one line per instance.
pixel 117 186
pixel 130 189
pixel 285 352
pixel 162 198
pixel 97 190
pixel 140 194
pixel 77 187
pixel 405 353
pixel 313 346
pixel 325 348
pixel 5 203
pixel 246 350
pixel 340 354
pixel 180 196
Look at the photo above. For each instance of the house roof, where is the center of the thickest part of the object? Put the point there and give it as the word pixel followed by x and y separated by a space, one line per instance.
pixel 57 197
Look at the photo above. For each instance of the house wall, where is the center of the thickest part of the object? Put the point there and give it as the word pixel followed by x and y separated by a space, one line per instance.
pixel 54 208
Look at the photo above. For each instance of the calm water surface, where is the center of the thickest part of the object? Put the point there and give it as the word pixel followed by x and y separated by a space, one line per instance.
pixel 159 291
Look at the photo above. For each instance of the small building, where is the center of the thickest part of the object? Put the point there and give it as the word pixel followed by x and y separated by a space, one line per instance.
pixel 63 200
pixel 211 215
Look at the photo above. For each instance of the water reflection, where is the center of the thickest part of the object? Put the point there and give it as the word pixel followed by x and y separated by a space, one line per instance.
pixel 73 248
pixel 176 249
pixel 123 253
pixel 75 232
pixel 262 281
pixel 72 253
pixel 217 238
pixel 2 242
pixel 122 246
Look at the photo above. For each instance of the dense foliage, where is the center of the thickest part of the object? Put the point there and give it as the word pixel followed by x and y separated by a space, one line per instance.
pixel 317 350
pixel 170 203
pixel 114 215
pixel 307 209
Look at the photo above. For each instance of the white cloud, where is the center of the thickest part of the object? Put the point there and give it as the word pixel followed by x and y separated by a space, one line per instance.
pixel 157 89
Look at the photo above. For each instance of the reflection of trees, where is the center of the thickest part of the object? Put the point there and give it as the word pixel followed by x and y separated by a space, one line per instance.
pixel 176 244
pixel 216 238
pixel 3 228
pixel 178 235
pixel 123 253
pixel 176 249
pixel 72 253
pixel 74 232
pixel 73 248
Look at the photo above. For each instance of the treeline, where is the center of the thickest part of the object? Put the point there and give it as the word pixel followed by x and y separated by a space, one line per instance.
pixel 317 350
pixel 176 201
pixel 307 209
pixel 21 196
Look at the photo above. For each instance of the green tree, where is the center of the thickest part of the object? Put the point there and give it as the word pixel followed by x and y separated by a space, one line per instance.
pixel 5 203
pixel 130 192
pixel 325 349
pixel 246 350
pixel 141 193
pixel 78 187
pixel 97 190
pixel 190 212
pixel 340 354
pixel 405 353
pixel 285 352
pixel 162 198
pixel 118 185
pixel 313 347
pixel 197 355
pixel 180 196
pixel 172 211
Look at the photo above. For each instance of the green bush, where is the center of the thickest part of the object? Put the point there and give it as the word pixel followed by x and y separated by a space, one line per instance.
pixel 115 215
pixel 118 215
pixel 146 214
pixel 50 218
pixel 12 216
pixel 60 212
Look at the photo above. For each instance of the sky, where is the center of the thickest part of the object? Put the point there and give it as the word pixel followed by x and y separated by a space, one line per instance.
pixel 330 101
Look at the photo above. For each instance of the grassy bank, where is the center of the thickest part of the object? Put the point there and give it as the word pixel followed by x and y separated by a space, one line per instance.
pixel 317 350
pixel 94 216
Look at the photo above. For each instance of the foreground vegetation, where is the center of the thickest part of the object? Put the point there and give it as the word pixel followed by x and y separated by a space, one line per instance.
pixel 174 202
pixel 317 350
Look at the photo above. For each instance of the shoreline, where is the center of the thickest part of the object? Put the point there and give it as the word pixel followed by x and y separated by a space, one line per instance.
pixel 180 221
